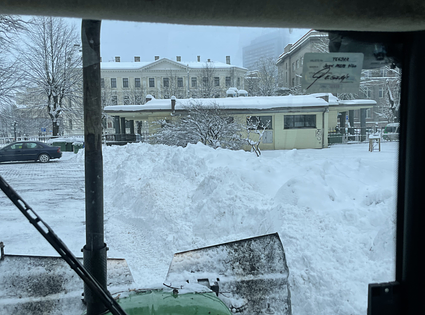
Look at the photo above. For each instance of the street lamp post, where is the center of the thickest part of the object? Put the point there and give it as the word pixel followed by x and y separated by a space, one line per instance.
pixel 14 130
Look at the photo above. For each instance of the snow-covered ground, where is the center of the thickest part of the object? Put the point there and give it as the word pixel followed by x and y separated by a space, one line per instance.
pixel 334 210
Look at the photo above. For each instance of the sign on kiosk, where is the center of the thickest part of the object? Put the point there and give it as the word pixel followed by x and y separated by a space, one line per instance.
pixel 332 72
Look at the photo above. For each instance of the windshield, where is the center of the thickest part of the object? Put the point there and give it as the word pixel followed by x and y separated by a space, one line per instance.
pixel 209 136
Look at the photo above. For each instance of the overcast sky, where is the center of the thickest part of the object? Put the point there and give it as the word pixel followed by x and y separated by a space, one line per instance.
pixel 129 39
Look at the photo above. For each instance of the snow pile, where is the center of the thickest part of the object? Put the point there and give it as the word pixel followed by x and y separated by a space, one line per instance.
pixel 334 210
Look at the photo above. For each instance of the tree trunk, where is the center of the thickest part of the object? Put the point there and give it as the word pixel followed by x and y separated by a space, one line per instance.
pixel 55 128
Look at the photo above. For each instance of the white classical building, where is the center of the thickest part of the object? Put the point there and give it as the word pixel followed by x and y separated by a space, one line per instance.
pixel 128 83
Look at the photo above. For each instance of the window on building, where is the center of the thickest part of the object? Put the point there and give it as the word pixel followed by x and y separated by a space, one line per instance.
pixel 205 81
pixel 194 82
pixel 369 113
pixel 114 100
pixel 113 83
pixel 381 92
pixel 70 124
pixel 166 82
pixel 297 64
pixel 102 83
pixel 138 100
pixel 125 82
pixel 216 81
pixel 227 81
pixel 137 82
pixel 180 82
pixel 293 81
pixel 299 121
pixel 293 66
pixel 151 82
pixel 239 82
pixel 301 61
pixel 126 100
pixel 262 121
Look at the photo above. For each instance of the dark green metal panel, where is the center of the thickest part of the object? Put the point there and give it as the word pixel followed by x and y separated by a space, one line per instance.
pixel 161 302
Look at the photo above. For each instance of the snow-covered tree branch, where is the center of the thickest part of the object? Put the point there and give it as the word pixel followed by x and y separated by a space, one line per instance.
pixel 207 124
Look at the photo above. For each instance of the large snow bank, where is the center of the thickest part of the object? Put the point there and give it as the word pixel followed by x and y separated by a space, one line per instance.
pixel 334 210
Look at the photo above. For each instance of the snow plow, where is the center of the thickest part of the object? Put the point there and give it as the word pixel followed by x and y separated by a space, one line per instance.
pixel 248 276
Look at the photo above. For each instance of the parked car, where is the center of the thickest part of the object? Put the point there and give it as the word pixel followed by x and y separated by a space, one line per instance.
pixel 29 151
pixel 391 132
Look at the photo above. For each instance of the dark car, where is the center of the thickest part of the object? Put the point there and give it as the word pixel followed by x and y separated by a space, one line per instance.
pixel 29 151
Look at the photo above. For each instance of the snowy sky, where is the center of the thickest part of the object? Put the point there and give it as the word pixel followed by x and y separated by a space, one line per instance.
pixel 129 39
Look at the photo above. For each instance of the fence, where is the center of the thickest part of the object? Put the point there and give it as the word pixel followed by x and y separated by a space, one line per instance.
pixel 355 135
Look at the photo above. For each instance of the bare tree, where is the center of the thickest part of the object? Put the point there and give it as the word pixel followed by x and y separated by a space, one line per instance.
pixel 133 95
pixel 10 28
pixel 52 66
pixel 251 83
pixel 170 85
pixel 255 129
pixel 201 123
pixel 207 86
pixel 267 77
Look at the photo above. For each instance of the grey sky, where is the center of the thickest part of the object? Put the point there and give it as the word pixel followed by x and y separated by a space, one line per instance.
pixel 129 39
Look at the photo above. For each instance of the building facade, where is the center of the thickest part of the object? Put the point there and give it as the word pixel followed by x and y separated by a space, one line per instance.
pixel 128 83
pixel 290 62
pixel 381 85
pixel 295 121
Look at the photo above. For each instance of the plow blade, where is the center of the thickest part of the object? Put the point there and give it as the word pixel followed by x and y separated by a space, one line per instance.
pixel 47 285
pixel 250 276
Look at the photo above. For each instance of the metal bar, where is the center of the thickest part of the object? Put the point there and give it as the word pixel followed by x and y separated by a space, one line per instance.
pixel 61 248
pixel 95 249
pixel 410 269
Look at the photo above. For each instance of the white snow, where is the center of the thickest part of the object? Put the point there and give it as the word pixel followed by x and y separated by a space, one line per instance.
pixel 334 210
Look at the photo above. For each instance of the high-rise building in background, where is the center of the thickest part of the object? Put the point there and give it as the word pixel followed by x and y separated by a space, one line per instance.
pixel 270 45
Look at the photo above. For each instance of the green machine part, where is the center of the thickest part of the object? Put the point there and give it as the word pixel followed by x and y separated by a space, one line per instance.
pixel 161 302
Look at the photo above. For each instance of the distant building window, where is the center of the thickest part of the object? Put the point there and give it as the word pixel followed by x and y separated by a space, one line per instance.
pixel 227 81
pixel 216 81
pixel 138 100
pixel 102 83
pixel 194 82
pixel 126 100
pixel 114 100
pixel 261 121
pixel 381 92
pixel 137 82
pixel 301 61
pixel 239 82
pixel 125 82
pixel 70 124
pixel 299 121
pixel 205 81
pixel 151 82
pixel 368 113
pixel 293 82
pixel 293 66
pixel 113 83
pixel 166 82
pixel 180 82
pixel 297 64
